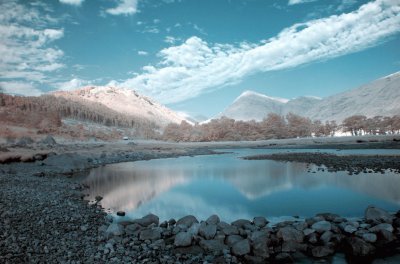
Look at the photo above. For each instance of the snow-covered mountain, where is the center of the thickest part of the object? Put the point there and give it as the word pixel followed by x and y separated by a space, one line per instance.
pixel 380 97
pixel 124 101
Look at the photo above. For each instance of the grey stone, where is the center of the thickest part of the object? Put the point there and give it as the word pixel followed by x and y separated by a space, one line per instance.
pixel 183 239
pixel 213 246
pixel 386 235
pixel 194 229
pixel 383 226
pixel 228 229
pixel 376 214
pixel 121 213
pixel 187 221
pixel 328 216
pixel 192 250
pixel 260 245
pixel 232 239
pixel 147 220
pixel 114 229
pixel 359 247
pixel 289 233
pixel 150 234
pixel 241 248
pixel 48 140
pixel 213 220
pixel 369 237
pixel 260 221
pixel 326 237
pixel 208 231
pixel 350 229
pixel 322 251
pixel 322 226
pixel 308 231
pixel 240 223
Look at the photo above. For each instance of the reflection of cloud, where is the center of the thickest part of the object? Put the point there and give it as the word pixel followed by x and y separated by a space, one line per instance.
pixel 203 186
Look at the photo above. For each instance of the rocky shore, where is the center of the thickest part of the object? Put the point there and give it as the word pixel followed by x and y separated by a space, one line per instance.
pixel 44 218
pixel 353 164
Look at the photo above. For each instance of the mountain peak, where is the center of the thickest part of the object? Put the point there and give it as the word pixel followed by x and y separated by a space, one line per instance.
pixel 249 93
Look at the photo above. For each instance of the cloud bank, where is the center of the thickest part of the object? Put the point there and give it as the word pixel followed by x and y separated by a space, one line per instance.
pixel 25 47
pixel 195 67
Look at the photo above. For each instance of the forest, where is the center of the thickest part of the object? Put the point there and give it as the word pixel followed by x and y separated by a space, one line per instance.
pixel 279 127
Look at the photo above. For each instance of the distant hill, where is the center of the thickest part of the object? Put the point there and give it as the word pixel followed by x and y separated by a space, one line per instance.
pixel 380 97
pixel 124 101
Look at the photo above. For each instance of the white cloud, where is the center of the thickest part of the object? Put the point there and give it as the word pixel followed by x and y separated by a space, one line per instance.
pixel 196 66
pixel 72 2
pixel 295 2
pixel 20 88
pixel 73 84
pixel 171 39
pixel 143 53
pixel 25 46
pixel 124 7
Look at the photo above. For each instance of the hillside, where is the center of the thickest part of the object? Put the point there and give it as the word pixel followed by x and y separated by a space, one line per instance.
pixel 124 101
pixel 378 98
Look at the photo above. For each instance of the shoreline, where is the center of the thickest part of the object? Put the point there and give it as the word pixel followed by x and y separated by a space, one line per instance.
pixel 41 205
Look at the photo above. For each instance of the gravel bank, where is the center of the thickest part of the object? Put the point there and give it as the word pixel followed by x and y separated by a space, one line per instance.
pixel 354 164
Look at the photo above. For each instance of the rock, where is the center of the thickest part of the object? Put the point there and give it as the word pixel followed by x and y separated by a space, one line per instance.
pixel 386 236
pixel 171 222
pixel 241 248
pixel 326 237
pixel 289 233
pixel 187 221
pixel 291 246
pixel 260 221
pixel 192 250
pixel 213 246
pixel 260 245
pixel 213 220
pixel 208 231
pixel 322 226
pixel 227 229
pixel 322 251
pixel 308 231
pixel 240 223
pixel 98 198
pixel 183 239
pixel 121 213
pixel 312 238
pixel 383 226
pixel 328 216
pixel 114 229
pixel 350 229
pixel 256 235
pixel 369 237
pixel 359 247
pixel 24 141
pixel 376 215
pixel 283 258
pixel 150 234
pixel 164 224
pixel 147 220
pixel 232 239
pixel 48 140
pixel 194 229
pixel 132 228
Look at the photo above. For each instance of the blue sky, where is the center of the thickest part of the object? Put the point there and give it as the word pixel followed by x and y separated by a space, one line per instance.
pixel 197 56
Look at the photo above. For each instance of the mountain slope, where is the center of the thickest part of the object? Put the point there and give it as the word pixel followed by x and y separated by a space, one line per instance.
pixel 124 101
pixel 380 97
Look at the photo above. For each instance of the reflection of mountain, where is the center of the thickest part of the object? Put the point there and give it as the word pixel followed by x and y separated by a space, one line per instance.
pixel 123 188
pixel 280 176
pixel 151 185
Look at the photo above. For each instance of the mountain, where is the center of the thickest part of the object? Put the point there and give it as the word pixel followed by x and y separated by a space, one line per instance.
pixel 380 97
pixel 124 101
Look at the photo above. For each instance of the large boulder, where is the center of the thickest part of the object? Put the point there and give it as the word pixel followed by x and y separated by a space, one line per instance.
pixel 187 221
pixel 260 221
pixel 241 248
pixel 213 220
pixel 213 246
pixel 228 229
pixel 322 226
pixel 150 234
pixel 359 247
pixel 114 229
pixel 322 251
pixel 183 239
pixel 377 215
pixel 48 140
pixel 147 220
pixel 289 233
pixel 208 231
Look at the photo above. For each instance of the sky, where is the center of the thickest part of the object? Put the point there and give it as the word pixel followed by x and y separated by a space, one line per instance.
pixel 197 56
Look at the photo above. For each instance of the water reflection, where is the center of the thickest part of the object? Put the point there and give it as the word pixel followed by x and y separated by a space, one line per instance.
pixel 235 188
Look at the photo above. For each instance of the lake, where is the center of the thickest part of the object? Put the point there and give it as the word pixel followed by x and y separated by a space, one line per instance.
pixel 234 188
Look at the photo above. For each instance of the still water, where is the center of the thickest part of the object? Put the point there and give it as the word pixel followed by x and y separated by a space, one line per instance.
pixel 234 188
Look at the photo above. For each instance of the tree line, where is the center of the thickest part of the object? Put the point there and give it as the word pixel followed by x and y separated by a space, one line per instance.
pixel 275 126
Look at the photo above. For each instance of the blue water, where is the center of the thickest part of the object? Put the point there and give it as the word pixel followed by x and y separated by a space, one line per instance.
pixel 234 188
